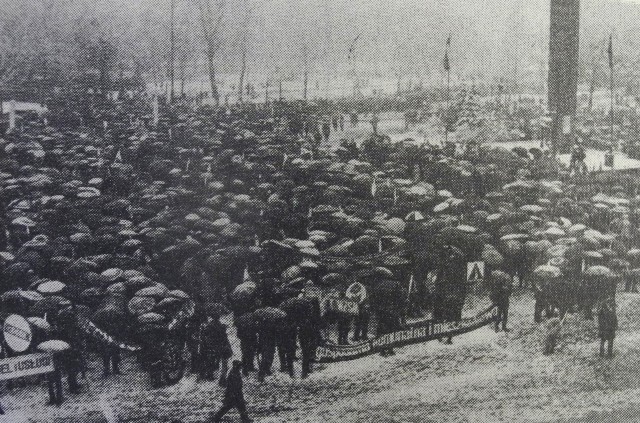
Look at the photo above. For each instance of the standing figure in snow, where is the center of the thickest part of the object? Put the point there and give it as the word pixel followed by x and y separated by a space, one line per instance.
pixel 501 288
pixel 246 331
pixel 607 326
pixel 215 349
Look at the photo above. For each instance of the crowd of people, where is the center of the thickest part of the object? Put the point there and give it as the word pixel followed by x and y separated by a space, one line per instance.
pixel 125 228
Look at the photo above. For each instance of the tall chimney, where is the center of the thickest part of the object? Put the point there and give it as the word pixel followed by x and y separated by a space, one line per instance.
pixel 563 70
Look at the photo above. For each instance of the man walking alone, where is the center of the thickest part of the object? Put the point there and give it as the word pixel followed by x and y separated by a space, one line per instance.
pixel 233 396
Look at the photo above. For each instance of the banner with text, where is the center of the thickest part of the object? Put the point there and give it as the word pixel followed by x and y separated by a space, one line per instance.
pixel 424 331
pixel 26 365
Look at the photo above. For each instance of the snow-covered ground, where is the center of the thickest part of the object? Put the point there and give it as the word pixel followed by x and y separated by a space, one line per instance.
pixel 484 376
pixel 393 125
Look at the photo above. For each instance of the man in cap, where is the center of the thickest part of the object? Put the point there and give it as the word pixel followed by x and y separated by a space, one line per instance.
pixel 233 395
pixel 607 325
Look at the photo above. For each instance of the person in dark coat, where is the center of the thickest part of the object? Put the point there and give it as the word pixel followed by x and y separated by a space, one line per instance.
pixel 246 331
pixel 70 332
pixel 500 293
pixel 344 326
pixel 193 338
pixel 310 337
pixel 233 395
pixel 110 360
pixel 267 337
pixel 287 345
pixel 353 118
pixel 326 128
pixel 215 349
pixel 607 326
pixel 361 322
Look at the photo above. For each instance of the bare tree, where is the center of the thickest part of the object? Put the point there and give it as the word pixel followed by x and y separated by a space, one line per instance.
pixel 211 16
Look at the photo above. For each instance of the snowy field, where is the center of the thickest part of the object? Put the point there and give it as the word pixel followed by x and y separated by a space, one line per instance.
pixel 483 377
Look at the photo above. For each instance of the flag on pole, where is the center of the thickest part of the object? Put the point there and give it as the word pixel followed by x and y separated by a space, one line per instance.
pixel 447 64
pixel 610 51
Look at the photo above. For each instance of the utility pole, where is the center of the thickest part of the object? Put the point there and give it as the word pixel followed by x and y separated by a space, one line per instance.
pixel 610 52
pixel 172 51
pixel 306 70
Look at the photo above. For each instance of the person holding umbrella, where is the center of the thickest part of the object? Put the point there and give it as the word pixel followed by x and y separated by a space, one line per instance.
pixel 233 395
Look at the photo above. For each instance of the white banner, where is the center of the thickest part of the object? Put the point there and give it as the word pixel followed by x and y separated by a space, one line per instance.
pixel 25 365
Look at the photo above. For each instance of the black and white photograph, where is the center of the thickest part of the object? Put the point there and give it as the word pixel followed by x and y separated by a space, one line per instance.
pixel 319 211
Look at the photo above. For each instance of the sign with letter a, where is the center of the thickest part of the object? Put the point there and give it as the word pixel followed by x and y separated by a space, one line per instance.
pixel 475 271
